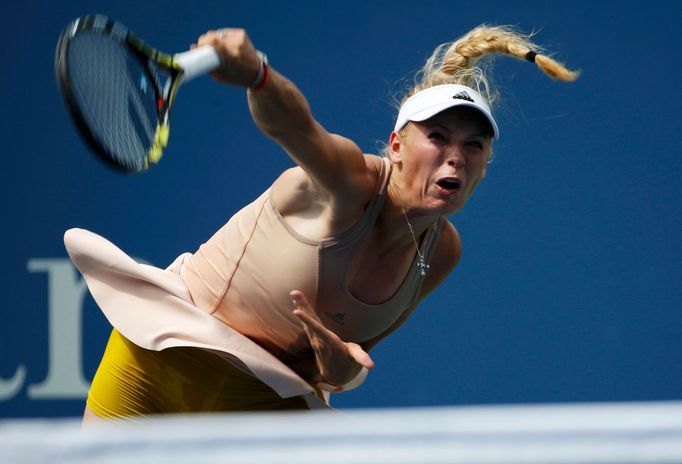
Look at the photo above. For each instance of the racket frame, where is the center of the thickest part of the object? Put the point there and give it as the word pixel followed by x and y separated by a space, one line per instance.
pixel 180 68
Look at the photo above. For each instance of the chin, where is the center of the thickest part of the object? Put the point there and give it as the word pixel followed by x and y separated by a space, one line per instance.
pixel 457 205
pixel 448 208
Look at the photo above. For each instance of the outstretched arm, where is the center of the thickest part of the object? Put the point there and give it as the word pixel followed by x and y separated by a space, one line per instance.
pixel 279 109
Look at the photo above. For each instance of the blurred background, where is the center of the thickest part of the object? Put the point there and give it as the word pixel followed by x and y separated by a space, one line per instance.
pixel 569 286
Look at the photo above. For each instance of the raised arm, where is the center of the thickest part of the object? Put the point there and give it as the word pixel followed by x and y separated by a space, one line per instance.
pixel 279 109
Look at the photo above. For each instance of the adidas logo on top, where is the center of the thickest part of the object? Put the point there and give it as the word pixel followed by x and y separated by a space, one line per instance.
pixel 336 317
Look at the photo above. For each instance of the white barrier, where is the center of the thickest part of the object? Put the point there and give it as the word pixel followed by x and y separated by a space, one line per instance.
pixel 623 433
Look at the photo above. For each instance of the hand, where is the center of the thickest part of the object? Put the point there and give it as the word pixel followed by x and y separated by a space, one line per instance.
pixel 338 362
pixel 240 63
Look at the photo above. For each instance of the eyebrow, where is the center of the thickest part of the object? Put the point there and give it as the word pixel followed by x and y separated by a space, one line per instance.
pixel 475 134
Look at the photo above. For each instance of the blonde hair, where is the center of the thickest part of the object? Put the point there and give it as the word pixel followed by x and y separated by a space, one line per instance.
pixel 458 62
pixel 462 62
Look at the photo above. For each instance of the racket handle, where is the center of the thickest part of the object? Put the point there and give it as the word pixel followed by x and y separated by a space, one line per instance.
pixel 197 62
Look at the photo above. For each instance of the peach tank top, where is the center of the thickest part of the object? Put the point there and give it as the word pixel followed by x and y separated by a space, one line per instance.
pixel 244 273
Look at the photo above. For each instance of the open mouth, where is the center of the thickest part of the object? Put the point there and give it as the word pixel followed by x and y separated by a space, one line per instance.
pixel 449 183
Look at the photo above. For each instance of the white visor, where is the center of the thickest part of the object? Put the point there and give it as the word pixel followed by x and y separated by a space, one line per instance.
pixel 429 102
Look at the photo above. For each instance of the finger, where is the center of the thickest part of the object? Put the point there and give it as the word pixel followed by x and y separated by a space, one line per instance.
pixel 306 314
pixel 302 305
pixel 305 311
pixel 316 328
pixel 359 355
pixel 306 328
pixel 205 39
pixel 211 37
pixel 301 301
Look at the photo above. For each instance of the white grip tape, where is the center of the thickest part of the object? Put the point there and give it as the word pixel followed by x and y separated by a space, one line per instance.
pixel 197 62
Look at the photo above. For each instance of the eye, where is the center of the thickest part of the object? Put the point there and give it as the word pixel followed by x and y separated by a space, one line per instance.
pixel 475 144
pixel 435 135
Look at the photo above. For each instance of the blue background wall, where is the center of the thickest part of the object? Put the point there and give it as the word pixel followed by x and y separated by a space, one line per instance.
pixel 569 286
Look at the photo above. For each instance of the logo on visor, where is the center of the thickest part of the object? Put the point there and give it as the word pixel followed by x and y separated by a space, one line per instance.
pixel 463 96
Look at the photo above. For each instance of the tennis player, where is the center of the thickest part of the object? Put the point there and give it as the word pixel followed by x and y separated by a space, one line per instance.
pixel 283 304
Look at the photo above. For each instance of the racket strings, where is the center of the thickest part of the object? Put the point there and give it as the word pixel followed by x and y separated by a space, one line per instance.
pixel 117 96
pixel 161 87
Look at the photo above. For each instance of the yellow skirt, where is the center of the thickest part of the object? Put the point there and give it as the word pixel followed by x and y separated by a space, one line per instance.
pixel 133 381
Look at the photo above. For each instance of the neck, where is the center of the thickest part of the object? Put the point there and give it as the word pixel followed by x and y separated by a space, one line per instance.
pixel 399 216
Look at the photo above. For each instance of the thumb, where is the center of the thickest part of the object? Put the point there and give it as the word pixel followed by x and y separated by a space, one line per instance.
pixel 359 355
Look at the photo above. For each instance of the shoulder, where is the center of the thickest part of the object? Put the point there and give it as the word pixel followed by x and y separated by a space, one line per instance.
pixel 375 164
pixel 449 242
pixel 448 249
pixel 295 188
pixel 315 212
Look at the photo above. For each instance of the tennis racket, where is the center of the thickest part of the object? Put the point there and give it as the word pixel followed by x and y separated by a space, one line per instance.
pixel 119 91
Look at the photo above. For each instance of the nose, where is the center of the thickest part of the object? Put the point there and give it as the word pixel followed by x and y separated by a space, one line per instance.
pixel 455 156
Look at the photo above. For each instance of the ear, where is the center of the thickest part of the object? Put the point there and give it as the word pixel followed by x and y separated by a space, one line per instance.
pixel 489 158
pixel 395 143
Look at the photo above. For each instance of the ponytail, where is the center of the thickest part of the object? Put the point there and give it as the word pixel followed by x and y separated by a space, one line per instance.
pixel 458 62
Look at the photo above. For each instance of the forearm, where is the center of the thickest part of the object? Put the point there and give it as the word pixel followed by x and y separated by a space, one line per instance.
pixel 281 112
pixel 279 109
pixel 277 106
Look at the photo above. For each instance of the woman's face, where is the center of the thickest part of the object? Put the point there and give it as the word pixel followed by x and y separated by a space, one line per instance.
pixel 442 160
